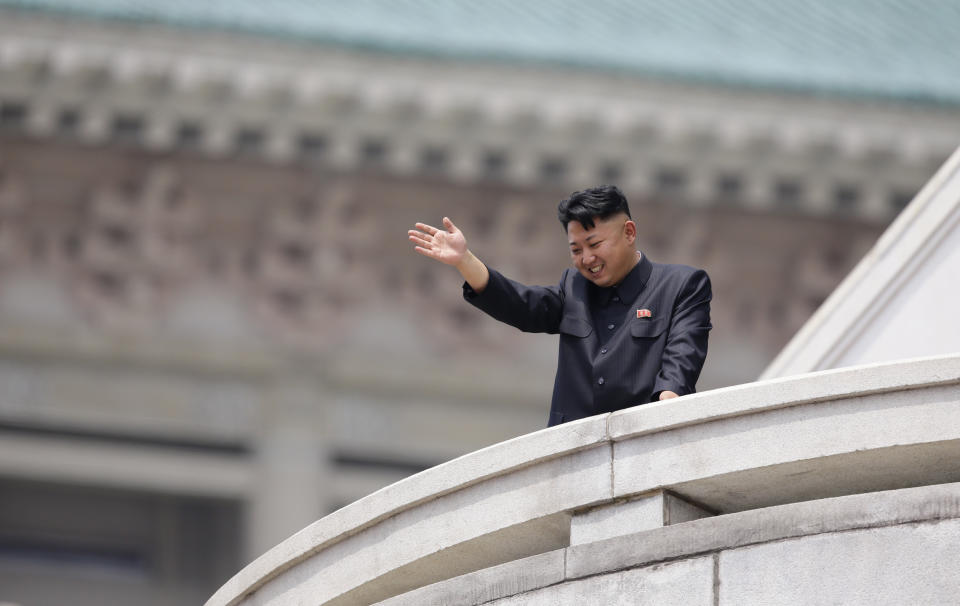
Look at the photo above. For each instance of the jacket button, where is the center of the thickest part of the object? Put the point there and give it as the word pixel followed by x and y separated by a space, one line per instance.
pixel 610 326
pixel 604 350
pixel 600 380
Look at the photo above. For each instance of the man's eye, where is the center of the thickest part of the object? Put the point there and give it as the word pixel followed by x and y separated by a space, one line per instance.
pixel 594 245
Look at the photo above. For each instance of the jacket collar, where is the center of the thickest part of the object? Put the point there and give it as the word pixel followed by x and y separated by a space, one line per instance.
pixel 631 285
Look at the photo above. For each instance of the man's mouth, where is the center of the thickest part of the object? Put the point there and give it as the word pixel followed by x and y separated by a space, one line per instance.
pixel 596 269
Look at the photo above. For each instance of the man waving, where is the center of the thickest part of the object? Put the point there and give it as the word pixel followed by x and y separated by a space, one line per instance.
pixel 631 331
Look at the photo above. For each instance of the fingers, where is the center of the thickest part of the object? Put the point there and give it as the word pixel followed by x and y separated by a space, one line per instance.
pixel 428 229
pixel 419 238
pixel 431 241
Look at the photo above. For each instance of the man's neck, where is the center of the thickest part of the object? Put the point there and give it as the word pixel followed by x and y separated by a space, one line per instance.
pixel 632 267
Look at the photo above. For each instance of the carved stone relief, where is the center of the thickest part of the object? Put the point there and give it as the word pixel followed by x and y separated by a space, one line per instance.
pixel 311 260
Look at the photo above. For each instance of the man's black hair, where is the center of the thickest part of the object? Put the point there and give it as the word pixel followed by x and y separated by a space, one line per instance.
pixel 594 203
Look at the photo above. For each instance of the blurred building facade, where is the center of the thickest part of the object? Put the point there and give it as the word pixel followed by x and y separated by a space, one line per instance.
pixel 212 327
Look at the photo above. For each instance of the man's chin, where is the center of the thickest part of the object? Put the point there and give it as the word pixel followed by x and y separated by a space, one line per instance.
pixel 598 279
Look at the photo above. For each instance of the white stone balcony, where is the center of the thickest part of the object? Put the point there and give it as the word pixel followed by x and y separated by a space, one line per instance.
pixel 841 486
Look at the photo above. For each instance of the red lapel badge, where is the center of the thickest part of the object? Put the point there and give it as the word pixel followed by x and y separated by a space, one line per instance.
pixel 644 313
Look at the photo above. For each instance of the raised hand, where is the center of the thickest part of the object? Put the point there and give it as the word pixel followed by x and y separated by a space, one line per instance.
pixel 445 245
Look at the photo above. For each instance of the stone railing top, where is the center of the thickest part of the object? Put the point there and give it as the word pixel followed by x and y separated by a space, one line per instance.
pixel 631 427
pixel 453 475
pixel 796 390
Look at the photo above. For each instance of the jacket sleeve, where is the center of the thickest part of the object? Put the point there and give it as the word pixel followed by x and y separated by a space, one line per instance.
pixel 686 345
pixel 528 308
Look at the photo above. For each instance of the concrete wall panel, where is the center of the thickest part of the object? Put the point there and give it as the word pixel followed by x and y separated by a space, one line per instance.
pixel 908 564
pixel 689 582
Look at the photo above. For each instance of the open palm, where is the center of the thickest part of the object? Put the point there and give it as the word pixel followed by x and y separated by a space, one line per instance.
pixel 445 245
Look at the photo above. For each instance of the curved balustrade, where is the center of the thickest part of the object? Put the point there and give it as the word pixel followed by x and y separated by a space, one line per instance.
pixel 688 499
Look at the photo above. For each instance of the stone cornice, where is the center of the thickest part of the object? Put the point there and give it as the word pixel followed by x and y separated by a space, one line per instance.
pixel 222 94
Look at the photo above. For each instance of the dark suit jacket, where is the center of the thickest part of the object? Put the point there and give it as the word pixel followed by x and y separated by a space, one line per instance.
pixel 646 356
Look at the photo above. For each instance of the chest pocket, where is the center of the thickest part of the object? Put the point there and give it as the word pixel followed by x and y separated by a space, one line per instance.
pixel 574 326
pixel 650 329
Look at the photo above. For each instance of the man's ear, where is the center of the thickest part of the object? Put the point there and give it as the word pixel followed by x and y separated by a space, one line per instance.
pixel 630 231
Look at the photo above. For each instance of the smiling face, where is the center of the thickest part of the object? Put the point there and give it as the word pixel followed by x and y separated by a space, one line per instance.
pixel 604 254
